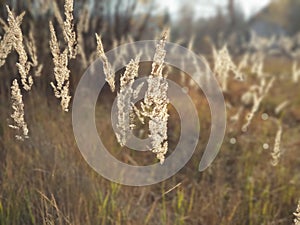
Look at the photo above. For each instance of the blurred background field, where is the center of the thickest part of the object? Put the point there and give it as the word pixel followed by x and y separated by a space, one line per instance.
pixel 45 179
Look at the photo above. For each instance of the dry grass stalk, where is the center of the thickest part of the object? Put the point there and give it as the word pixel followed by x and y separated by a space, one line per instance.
pixel 244 62
pixel 276 150
pixel 13 39
pixel 61 60
pixel 297 214
pixel 14 32
pixel 191 43
pixel 258 64
pixel 107 68
pixel 202 73
pixel 206 75
pixel 38 71
pixel 124 99
pixel 31 46
pixel 159 57
pixel 68 29
pixel 61 71
pixel 182 73
pixel 257 94
pixel 156 102
pixel 223 64
pixel 57 14
pixel 281 106
pixel 67 26
pixel 18 112
pixel 258 42
pixel 32 50
pixel 60 217
pixel 5 48
pixel 137 90
pixel 81 28
pixel 295 72
pixel 7 42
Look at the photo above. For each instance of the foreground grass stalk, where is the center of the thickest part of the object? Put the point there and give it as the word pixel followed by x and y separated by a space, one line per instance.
pixel 124 99
pixel 68 29
pixel 14 40
pixel 18 112
pixel 61 71
pixel 108 71
pixel 155 104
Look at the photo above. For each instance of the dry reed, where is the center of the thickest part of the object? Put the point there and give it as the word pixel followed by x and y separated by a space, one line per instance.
pixel 223 65
pixel 68 29
pixel 276 150
pixel 124 100
pixel 107 68
pixel 61 71
pixel 155 104
pixel 257 94
pixel 18 112
pixel 13 39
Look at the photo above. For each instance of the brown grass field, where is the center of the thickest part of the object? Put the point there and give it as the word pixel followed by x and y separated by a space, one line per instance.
pixel 45 180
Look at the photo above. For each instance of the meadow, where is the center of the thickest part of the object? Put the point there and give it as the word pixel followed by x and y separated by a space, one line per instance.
pixel 44 179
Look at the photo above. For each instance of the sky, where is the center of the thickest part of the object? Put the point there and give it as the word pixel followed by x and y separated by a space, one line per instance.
pixel 207 8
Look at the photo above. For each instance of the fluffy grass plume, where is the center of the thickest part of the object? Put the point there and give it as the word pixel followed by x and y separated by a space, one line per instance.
pixel 57 14
pixel 256 94
pixel 124 100
pixel 68 29
pixel 18 112
pixel 156 102
pixel 223 65
pixel 107 68
pixel 276 150
pixel 82 26
pixel 7 42
pixel 32 51
pixel 61 71
pixel 13 39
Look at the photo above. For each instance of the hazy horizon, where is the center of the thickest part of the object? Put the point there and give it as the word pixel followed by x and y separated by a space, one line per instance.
pixel 206 9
